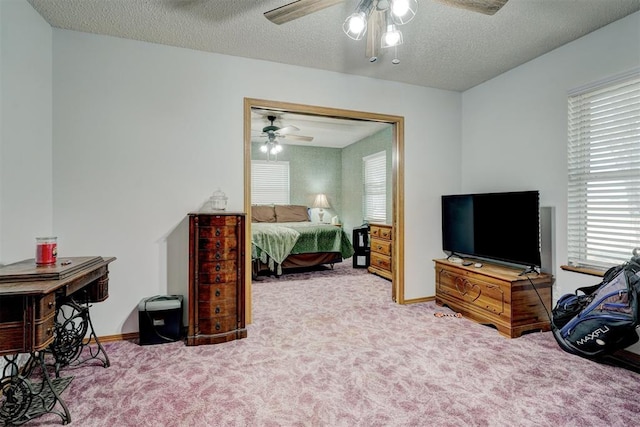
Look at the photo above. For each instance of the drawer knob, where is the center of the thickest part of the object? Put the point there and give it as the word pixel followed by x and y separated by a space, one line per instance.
pixel 218 244
pixel 218 326
pixel 49 331
pixel 379 247
pixel 217 310
pixel 50 304
pixel 217 267
pixel 218 278
pixel 217 292
pixel 218 255
pixel 217 231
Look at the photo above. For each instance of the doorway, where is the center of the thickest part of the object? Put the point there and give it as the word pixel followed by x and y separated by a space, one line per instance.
pixel 397 186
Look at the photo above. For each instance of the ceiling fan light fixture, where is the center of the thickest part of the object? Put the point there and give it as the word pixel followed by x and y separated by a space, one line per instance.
pixel 355 26
pixel 403 11
pixel 392 37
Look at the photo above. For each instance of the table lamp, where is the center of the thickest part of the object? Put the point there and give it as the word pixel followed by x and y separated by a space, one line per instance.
pixel 321 202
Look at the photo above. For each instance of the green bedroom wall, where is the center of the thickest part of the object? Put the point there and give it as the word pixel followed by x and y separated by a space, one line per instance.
pixel 335 172
pixel 352 175
pixel 312 170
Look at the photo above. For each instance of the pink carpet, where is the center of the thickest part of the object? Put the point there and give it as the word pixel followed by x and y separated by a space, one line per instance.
pixel 331 349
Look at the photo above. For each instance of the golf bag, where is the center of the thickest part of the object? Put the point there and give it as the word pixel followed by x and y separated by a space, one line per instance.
pixel 599 320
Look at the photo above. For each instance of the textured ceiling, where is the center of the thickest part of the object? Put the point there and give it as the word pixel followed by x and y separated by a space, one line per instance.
pixel 445 47
pixel 326 131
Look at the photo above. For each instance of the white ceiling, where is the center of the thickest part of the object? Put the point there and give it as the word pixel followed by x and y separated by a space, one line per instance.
pixel 444 47
pixel 326 131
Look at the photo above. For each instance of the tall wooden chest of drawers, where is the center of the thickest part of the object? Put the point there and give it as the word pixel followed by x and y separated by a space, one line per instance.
pixel 381 262
pixel 216 278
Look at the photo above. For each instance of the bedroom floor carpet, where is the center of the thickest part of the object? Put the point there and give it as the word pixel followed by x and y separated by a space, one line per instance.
pixel 330 348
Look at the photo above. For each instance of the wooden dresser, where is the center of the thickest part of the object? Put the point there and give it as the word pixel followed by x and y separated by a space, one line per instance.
pixel 216 278
pixel 496 295
pixel 380 261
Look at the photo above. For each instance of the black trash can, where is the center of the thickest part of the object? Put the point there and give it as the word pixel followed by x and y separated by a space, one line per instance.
pixel 160 319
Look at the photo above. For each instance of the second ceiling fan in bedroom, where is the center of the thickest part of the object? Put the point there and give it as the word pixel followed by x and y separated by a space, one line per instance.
pixel 273 133
pixel 377 19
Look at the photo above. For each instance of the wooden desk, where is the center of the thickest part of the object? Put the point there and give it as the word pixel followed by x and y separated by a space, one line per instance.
pixel 30 298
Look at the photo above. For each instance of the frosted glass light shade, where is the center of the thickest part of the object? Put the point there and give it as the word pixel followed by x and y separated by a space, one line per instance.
pixel 391 37
pixel 403 11
pixel 355 26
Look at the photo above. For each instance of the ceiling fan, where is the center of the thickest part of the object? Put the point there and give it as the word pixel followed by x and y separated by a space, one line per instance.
pixel 273 132
pixel 377 20
pixel 300 8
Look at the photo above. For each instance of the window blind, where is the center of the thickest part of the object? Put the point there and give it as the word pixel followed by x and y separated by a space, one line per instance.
pixel 604 173
pixel 269 182
pixel 375 187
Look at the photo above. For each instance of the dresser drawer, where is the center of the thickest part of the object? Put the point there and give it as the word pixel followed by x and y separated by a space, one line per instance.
pixel 221 232
pixel 217 220
pixel 215 266
pixel 381 232
pixel 217 325
pixel 218 272
pixel 44 332
pixel 216 307
pixel 98 291
pixel 381 246
pixel 217 250
pixel 382 262
pixel 46 306
pixel 219 292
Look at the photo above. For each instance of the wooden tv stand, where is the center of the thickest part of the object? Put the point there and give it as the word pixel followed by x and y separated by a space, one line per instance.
pixel 496 295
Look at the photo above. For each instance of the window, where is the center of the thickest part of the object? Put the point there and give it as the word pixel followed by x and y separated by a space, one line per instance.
pixel 269 182
pixel 374 171
pixel 604 172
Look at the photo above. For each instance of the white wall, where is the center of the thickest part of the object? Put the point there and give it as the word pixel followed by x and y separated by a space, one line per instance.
pixel 144 133
pixel 26 187
pixel 514 127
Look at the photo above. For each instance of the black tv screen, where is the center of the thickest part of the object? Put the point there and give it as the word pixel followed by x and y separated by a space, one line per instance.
pixel 501 226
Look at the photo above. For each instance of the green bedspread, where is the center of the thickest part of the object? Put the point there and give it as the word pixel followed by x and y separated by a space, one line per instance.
pixel 273 242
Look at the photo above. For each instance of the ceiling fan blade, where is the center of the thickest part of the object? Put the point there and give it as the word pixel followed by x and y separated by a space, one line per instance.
pixel 298 137
pixel 285 130
pixel 297 9
pixel 488 7
pixel 375 28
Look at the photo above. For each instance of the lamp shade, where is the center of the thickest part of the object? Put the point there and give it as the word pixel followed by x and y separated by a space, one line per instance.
pixel 321 202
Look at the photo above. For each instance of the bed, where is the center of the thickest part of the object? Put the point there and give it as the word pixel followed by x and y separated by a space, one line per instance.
pixel 282 237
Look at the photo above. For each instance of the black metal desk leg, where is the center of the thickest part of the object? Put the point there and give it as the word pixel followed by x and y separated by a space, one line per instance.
pixel 73 321
pixel 24 396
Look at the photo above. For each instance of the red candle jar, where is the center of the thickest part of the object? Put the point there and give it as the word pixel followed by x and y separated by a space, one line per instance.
pixel 46 250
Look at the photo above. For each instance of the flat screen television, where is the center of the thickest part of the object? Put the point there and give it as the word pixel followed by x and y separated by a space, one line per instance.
pixel 497 226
